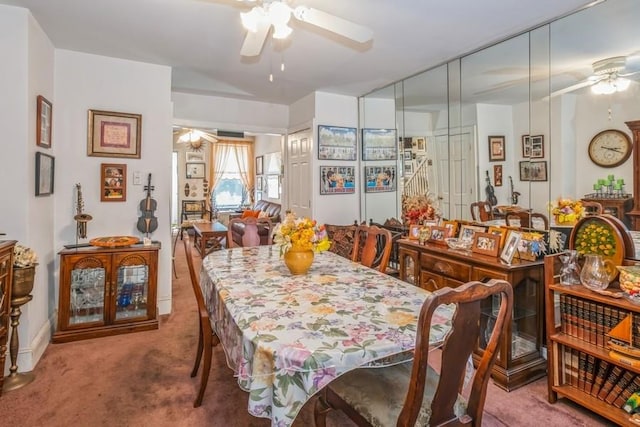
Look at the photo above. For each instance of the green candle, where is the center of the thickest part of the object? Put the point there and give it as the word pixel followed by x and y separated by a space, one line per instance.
pixel 610 177
pixel 596 186
pixel 621 181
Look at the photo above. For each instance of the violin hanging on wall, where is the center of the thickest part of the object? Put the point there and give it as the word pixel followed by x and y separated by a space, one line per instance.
pixel 147 223
pixel 491 195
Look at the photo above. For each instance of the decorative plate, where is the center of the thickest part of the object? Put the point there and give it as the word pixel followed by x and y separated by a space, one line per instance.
pixel 598 235
pixel 114 241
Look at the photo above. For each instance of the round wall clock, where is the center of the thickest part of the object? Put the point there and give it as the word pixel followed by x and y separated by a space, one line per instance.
pixel 610 148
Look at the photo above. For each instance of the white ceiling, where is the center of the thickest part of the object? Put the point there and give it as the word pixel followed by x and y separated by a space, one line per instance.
pixel 201 40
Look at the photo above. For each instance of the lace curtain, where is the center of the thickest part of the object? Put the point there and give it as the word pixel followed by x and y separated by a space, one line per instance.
pixel 220 157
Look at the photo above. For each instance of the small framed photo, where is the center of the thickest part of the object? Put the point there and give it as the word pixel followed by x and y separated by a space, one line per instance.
pixel 43 122
pixel 414 231
pixel 467 231
pixel 337 143
pixel 430 223
pixel 113 182
pixel 45 166
pixel 259 183
pixel 407 155
pixel 533 171
pixel 337 179
pixel 259 165
pixel 526 146
pixel 438 234
pixel 497 175
pixel 452 227
pixel 498 231
pixel 195 170
pixel 420 144
pixel 379 144
pixel 531 245
pixel 510 246
pixel 194 156
pixel 537 147
pixel 486 244
pixel 408 168
pixel 112 134
pixel 496 149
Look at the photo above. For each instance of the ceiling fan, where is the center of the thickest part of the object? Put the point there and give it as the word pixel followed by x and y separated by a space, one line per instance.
pixel 194 138
pixel 609 76
pixel 276 14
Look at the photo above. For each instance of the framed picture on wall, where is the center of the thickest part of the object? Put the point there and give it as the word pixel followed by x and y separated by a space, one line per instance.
pixel 43 122
pixel 526 146
pixel 114 134
pixel 379 144
pixel 537 147
pixel 533 171
pixel 337 143
pixel 45 166
pixel 113 182
pixel 259 165
pixel 195 170
pixel 194 156
pixel 380 178
pixel 337 179
pixel 496 149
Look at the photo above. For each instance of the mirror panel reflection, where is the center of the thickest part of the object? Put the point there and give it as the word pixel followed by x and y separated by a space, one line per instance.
pixel 513 121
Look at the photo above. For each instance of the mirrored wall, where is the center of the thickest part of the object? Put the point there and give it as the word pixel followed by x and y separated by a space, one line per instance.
pixel 513 121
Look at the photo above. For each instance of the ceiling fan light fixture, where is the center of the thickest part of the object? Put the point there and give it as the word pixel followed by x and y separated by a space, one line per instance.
pixel 610 85
pixel 281 31
pixel 251 19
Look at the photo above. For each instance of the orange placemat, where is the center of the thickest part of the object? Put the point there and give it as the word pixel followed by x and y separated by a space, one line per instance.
pixel 114 241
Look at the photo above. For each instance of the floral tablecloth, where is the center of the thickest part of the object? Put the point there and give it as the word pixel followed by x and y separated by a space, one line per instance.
pixel 288 336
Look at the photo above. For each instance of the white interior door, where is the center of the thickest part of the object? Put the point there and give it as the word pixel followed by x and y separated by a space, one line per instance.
pixel 299 181
pixel 456 179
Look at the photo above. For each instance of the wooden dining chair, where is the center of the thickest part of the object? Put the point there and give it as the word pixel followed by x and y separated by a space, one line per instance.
pixel 527 220
pixel 342 239
pixel 408 392
pixel 481 211
pixel 247 232
pixel 207 339
pixel 372 247
pixel 592 208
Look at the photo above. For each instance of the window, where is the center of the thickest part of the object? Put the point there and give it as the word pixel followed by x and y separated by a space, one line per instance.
pixel 229 193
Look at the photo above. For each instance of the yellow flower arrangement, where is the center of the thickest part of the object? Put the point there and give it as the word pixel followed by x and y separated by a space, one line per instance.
pixel 567 211
pixel 300 234
pixel 596 238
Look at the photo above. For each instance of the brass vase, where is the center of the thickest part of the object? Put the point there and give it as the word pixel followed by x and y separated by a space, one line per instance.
pixel 23 279
pixel 298 261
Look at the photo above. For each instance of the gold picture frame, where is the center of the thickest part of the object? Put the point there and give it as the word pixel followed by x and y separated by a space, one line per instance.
pixel 414 231
pixel 452 227
pixel 499 231
pixel 44 118
pixel 113 182
pixel 113 134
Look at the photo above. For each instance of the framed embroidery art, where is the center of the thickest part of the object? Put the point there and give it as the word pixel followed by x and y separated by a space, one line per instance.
pixel 112 134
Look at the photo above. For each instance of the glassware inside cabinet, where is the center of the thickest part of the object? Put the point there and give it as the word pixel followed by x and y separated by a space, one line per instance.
pixel 87 296
pixel 132 289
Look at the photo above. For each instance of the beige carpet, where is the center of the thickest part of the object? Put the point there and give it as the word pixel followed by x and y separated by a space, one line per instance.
pixel 142 379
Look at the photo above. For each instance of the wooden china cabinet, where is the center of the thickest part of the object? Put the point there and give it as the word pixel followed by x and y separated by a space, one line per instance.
pixel 106 291
pixel 432 266
pixel 6 277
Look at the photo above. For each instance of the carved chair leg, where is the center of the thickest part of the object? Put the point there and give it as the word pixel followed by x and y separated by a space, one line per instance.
pixel 194 372
pixel 320 411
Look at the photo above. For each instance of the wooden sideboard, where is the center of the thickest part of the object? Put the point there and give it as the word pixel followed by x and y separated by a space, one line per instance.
pixel 6 278
pixel 106 291
pixel 520 360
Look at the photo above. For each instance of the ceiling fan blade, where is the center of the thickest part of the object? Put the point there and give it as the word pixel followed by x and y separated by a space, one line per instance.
pixel 253 42
pixel 208 137
pixel 333 23
pixel 585 83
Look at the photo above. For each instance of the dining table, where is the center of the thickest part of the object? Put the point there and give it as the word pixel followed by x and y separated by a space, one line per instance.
pixel 287 336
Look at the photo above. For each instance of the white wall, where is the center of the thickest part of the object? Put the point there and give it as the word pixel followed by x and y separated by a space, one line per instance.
pixel 334 110
pixel 84 82
pixel 27 72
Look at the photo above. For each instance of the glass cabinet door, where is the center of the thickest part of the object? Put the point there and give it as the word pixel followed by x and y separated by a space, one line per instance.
pixel 132 289
pixel 87 295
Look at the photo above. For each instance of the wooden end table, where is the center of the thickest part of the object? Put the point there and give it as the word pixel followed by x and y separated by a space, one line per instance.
pixel 208 233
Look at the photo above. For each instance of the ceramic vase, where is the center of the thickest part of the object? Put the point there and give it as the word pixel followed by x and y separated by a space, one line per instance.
pixel 298 261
